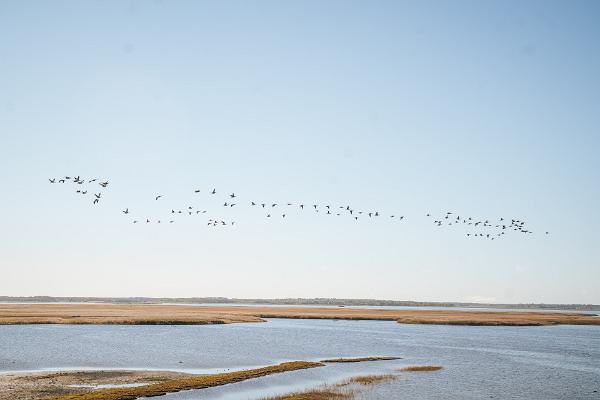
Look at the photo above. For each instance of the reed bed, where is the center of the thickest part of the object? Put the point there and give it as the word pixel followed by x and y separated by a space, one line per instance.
pixel 345 390
pixel 421 368
pixel 151 314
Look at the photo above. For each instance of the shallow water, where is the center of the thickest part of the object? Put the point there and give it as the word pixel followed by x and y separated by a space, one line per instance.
pixel 555 362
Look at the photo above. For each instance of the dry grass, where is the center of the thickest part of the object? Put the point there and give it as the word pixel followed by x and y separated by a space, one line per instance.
pixel 371 379
pixel 358 359
pixel 324 393
pixel 421 368
pixel 138 314
pixel 195 382
pixel 178 314
pixel 340 391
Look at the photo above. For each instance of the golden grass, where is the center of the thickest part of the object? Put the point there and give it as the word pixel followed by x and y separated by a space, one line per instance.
pixel 134 314
pixel 316 394
pixel 340 391
pixel 371 379
pixel 196 382
pixel 421 368
pixel 179 314
pixel 358 359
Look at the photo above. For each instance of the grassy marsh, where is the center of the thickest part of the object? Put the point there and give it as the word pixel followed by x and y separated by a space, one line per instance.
pixel 188 383
pixel 345 390
pixel 421 368
pixel 155 314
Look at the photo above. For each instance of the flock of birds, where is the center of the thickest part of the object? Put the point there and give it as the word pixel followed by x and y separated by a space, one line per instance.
pixel 490 229
pixel 80 182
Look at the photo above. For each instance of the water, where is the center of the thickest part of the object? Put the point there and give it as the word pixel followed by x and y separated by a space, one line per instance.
pixel 555 362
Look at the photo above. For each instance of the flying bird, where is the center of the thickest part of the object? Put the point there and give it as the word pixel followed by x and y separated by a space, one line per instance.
pixel 52 180
pixel 158 197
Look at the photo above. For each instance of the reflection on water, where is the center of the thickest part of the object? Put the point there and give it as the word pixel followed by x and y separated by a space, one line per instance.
pixel 557 362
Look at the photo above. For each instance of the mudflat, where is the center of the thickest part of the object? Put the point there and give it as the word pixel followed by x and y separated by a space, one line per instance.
pixel 123 385
pixel 162 314
pixel 39 385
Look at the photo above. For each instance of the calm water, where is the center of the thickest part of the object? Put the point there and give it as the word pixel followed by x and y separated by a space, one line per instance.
pixel 559 362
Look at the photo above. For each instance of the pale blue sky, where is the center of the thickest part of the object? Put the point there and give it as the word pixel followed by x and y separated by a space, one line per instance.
pixel 487 109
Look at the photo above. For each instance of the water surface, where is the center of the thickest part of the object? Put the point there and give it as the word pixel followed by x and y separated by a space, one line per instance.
pixel 552 362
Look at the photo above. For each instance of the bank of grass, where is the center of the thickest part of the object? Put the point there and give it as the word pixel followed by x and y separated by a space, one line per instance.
pixel 371 379
pixel 421 368
pixel 345 390
pixel 324 393
pixel 358 359
pixel 196 382
pixel 155 314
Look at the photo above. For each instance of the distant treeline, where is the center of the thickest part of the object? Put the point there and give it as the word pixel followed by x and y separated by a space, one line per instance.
pixel 290 301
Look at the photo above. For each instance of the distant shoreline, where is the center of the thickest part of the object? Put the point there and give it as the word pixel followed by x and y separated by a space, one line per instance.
pixel 294 301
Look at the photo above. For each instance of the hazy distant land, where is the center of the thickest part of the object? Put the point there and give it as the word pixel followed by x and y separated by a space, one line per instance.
pixel 294 301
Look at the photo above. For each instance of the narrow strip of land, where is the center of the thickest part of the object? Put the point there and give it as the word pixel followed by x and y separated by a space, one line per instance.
pixel 148 314
pixel 188 383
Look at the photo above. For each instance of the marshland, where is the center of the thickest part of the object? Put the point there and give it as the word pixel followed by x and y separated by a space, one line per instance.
pixel 213 361
pixel 299 200
pixel 161 314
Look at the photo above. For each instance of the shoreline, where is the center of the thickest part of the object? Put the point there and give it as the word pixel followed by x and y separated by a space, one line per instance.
pixel 160 314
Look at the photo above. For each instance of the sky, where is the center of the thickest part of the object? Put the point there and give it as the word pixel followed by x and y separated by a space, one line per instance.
pixel 487 109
